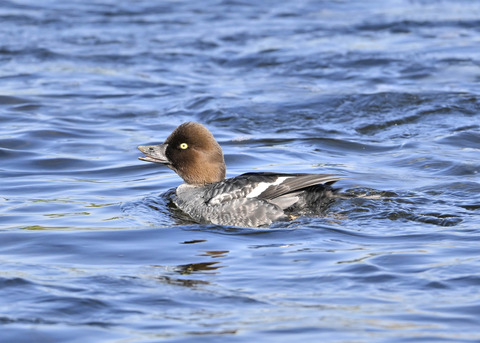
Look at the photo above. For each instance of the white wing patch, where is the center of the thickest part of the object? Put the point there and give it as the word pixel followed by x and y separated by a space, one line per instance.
pixel 262 186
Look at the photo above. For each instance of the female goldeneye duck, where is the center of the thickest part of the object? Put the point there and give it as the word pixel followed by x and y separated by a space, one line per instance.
pixel 251 199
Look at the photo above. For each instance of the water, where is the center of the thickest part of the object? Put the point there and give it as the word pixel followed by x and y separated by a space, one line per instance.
pixel 385 93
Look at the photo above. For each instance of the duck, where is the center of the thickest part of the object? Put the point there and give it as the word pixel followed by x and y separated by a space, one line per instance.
pixel 254 199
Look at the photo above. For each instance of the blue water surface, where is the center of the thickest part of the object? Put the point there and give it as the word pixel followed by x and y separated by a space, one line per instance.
pixel 384 93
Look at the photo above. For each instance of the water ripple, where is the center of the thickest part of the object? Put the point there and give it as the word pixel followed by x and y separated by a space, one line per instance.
pixel 385 94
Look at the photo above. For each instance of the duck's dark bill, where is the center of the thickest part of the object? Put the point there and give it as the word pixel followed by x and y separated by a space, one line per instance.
pixel 151 159
pixel 154 153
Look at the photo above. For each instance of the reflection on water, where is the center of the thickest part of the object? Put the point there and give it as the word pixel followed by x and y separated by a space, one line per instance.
pixel 204 267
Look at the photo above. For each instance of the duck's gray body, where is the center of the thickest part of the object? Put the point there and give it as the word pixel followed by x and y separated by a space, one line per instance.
pixel 256 199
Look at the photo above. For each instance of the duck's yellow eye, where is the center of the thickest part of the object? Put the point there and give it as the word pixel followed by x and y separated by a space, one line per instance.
pixel 183 146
